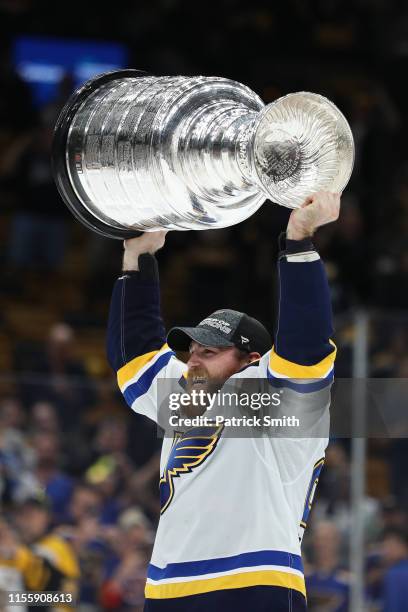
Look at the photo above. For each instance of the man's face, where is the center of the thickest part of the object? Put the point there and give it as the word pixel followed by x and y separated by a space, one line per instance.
pixel 211 364
pixel 84 503
pixel 394 549
pixel 32 523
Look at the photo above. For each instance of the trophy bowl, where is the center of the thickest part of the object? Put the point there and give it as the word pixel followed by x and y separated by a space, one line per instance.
pixel 302 144
pixel 134 152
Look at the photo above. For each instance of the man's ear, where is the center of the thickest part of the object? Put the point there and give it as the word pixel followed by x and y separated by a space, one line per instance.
pixel 253 357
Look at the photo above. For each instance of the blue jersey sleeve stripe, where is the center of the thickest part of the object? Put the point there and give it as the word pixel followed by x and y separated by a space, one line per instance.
pixel 285 383
pixel 143 384
pixel 211 566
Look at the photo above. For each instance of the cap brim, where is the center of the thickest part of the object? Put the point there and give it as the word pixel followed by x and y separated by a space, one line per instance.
pixel 179 338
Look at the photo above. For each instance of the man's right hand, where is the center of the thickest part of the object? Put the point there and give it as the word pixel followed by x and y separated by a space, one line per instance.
pixel 149 242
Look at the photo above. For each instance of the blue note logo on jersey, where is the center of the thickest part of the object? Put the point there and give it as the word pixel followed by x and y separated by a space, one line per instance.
pixel 189 450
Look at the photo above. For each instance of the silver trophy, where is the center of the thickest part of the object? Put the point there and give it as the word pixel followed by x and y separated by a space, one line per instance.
pixel 134 152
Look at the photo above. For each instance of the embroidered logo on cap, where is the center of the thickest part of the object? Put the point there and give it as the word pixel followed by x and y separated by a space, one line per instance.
pixel 223 326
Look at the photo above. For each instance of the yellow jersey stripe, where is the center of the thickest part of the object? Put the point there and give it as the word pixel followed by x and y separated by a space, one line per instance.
pixel 128 371
pixel 293 370
pixel 235 581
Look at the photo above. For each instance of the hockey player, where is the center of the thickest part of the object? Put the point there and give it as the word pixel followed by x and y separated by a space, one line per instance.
pixel 233 509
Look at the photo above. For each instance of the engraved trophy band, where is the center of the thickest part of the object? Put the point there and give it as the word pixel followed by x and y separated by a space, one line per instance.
pixel 134 152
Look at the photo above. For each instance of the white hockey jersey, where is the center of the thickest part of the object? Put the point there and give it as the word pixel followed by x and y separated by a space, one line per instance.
pixel 233 509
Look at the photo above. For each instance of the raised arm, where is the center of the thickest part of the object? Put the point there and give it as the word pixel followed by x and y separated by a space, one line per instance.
pixel 136 336
pixel 303 348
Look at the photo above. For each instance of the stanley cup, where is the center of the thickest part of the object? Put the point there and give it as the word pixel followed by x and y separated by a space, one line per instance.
pixel 134 152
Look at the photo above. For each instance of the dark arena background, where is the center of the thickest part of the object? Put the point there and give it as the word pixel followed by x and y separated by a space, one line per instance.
pixel 75 462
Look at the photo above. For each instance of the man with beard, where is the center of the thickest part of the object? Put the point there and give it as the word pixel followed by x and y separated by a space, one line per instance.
pixel 233 509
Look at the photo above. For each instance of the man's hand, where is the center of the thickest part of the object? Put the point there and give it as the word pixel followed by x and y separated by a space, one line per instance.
pixel 318 209
pixel 149 242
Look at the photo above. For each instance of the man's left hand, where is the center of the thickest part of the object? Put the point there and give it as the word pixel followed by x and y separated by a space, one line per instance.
pixel 318 209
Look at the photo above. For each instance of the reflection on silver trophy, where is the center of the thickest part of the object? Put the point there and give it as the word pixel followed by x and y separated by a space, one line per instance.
pixel 134 152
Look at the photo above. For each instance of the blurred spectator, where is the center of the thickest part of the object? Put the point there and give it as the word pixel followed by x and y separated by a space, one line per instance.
pixel 109 475
pixel 61 378
pixel 17 480
pixel 38 232
pixel 44 418
pixel 57 485
pixel 395 557
pixel 124 588
pixel 327 582
pixel 111 437
pixel 112 468
pixel 74 446
pixel 12 415
pixel 44 560
pixel 333 499
pixel 89 539
pixel 390 342
pixel 137 528
pixel 393 514
pixel 85 502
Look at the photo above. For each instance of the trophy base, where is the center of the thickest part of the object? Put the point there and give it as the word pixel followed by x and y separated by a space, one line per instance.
pixel 58 161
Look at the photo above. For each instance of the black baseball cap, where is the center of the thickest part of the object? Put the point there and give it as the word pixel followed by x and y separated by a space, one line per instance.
pixel 223 328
